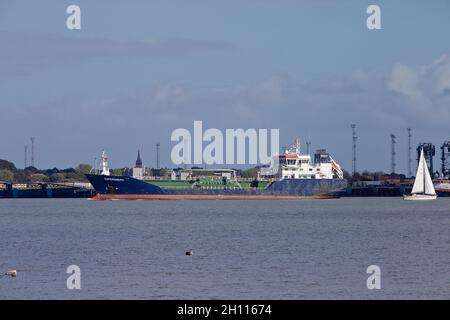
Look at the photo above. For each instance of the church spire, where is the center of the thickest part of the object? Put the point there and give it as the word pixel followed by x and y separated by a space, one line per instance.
pixel 139 161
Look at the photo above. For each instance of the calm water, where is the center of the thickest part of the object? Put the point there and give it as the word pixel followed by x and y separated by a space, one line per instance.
pixel 242 249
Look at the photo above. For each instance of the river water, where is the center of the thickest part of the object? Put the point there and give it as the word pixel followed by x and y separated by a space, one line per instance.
pixel 308 249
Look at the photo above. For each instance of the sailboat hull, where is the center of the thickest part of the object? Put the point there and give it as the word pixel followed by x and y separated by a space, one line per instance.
pixel 420 197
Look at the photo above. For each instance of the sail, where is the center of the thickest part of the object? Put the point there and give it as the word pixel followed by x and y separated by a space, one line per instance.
pixel 419 185
pixel 428 184
pixel 423 183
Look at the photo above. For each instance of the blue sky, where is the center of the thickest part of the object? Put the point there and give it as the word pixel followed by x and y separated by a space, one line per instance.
pixel 139 69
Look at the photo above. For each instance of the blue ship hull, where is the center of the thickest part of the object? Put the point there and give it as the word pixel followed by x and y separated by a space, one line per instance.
pixel 124 187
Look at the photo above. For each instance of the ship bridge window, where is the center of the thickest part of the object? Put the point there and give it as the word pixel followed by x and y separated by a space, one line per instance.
pixel 291 162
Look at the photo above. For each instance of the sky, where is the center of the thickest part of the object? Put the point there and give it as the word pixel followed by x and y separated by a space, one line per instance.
pixel 137 70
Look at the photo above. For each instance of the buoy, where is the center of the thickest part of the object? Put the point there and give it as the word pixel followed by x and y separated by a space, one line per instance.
pixel 189 253
pixel 11 273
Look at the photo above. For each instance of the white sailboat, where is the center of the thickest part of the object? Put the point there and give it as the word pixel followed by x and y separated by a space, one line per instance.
pixel 423 188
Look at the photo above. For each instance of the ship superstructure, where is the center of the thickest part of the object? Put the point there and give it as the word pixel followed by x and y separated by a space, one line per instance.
pixel 295 165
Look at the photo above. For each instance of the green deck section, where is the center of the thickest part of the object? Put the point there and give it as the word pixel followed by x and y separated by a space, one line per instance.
pixel 218 184
pixel 206 184
pixel 171 183
pixel 247 184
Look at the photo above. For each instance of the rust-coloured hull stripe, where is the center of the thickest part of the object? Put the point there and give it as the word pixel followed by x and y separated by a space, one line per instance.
pixel 203 197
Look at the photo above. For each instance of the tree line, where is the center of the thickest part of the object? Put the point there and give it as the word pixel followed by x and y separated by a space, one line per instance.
pixel 9 173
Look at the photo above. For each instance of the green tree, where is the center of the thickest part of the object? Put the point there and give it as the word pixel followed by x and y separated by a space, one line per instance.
pixel 6 175
pixel 84 168
pixel 22 176
pixel 7 165
pixel 117 172
pixel 39 177
pixel 57 177
pixel 250 173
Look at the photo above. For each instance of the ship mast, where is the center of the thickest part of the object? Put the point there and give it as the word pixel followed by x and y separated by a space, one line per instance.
pixel 105 165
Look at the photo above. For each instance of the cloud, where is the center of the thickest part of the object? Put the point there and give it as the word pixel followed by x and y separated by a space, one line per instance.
pixel 400 96
pixel 422 91
pixel 273 90
pixel 169 93
pixel 20 51
pixel 439 72
pixel 404 80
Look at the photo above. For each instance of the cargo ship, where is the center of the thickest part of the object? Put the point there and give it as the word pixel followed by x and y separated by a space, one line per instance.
pixel 297 176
